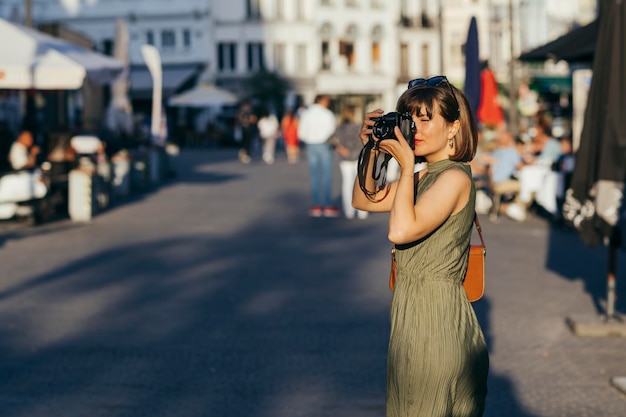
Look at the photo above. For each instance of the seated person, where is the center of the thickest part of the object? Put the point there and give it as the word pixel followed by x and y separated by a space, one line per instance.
pixel 23 153
pixel 546 149
pixel 504 162
pixel 537 181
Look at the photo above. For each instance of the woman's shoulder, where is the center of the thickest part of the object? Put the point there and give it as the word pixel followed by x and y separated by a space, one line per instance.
pixel 459 166
pixel 460 172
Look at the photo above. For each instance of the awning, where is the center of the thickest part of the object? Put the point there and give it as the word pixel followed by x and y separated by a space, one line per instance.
pixel 174 78
pixel 32 59
pixel 204 95
pixel 575 46
pixel 555 84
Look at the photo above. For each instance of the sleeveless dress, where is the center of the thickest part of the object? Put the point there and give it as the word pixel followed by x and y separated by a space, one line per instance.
pixel 437 360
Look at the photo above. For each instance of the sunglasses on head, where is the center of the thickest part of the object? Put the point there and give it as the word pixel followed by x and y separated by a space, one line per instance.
pixel 435 81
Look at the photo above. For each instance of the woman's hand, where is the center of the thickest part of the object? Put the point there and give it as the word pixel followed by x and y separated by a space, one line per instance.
pixel 400 150
pixel 368 123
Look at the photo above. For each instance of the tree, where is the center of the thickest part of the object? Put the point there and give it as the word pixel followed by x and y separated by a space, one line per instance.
pixel 268 89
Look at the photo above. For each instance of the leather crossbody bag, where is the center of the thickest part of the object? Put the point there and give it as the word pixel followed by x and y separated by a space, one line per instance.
pixel 474 282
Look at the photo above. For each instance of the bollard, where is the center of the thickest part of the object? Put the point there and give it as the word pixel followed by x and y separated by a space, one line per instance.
pixel 81 195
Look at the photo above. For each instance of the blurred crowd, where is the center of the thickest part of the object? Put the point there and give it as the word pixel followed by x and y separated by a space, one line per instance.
pixel 515 174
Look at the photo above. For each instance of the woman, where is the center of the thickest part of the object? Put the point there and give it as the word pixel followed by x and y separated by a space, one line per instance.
pixel 345 144
pixel 437 358
pixel 269 130
pixel 289 127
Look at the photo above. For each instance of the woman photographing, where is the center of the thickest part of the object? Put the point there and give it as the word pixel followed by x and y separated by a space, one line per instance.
pixel 437 358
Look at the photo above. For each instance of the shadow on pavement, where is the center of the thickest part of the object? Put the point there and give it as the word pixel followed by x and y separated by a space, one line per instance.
pixel 571 258
pixel 287 316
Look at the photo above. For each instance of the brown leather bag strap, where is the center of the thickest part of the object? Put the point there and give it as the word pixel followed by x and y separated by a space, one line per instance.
pixel 480 233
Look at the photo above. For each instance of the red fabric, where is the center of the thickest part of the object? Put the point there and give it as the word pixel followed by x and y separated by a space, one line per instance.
pixel 290 130
pixel 489 112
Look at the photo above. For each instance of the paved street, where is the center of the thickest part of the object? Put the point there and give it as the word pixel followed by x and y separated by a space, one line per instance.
pixel 216 295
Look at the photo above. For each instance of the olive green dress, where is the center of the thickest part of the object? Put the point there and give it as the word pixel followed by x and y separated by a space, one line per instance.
pixel 437 360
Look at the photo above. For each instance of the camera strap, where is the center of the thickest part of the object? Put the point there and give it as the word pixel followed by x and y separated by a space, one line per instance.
pixel 379 173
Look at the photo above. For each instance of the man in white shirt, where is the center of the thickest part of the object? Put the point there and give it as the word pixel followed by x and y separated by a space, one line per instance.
pixel 23 153
pixel 316 125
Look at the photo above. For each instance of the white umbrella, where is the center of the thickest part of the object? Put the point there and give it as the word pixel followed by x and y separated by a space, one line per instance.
pixel 31 59
pixel 203 95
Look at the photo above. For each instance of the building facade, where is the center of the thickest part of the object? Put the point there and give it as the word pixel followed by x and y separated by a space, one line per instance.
pixel 360 52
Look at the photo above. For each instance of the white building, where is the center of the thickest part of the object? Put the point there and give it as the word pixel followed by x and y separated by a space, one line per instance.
pixel 358 51
pixel 354 50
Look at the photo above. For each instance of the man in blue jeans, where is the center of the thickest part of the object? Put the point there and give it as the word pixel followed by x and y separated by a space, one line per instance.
pixel 317 124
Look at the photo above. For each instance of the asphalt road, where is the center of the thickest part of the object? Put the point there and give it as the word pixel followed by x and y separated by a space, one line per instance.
pixel 216 295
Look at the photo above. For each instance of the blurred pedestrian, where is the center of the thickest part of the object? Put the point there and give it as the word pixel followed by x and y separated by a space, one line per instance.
pixel 438 360
pixel 269 130
pixel 347 144
pixel 23 153
pixel 289 127
pixel 316 125
pixel 246 119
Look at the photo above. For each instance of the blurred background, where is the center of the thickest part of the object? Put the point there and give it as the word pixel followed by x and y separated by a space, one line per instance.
pixel 283 53
pixel 139 76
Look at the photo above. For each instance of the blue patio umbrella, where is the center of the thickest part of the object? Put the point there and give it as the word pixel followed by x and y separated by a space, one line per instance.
pixel 472 67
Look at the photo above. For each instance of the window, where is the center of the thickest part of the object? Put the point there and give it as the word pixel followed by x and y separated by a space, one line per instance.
pixel 168 39
pixel 325 55
pixel 227 57
pixel 255 56
pixel 404 60
pixel 107 46
pixel 377 37
pixel 253 9
pixel 301 67
pixel 346 45
pixel 456 55
pixel 346 49
pixel 187 38
pixel 280 9
pixel 376 55
pixel 150 37
pixel 279 58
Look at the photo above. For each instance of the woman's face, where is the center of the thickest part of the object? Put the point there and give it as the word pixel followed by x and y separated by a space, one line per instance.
pixel 431 136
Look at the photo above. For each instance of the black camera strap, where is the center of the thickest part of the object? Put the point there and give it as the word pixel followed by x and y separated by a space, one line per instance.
pixel 379 173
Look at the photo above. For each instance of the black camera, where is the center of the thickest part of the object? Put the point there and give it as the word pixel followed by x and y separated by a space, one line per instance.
pixel 383 127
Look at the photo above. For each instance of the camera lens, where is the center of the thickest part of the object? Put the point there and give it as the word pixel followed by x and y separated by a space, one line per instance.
pixel 382 130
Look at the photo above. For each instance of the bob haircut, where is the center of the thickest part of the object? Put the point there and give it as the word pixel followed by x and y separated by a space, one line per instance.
pixel 439 99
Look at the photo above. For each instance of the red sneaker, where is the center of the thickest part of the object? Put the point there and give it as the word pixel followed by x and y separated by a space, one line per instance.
pixel 331 212
pixel 315 211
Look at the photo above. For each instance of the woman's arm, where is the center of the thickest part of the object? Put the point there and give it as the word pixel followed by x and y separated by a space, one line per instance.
pixel 445 197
